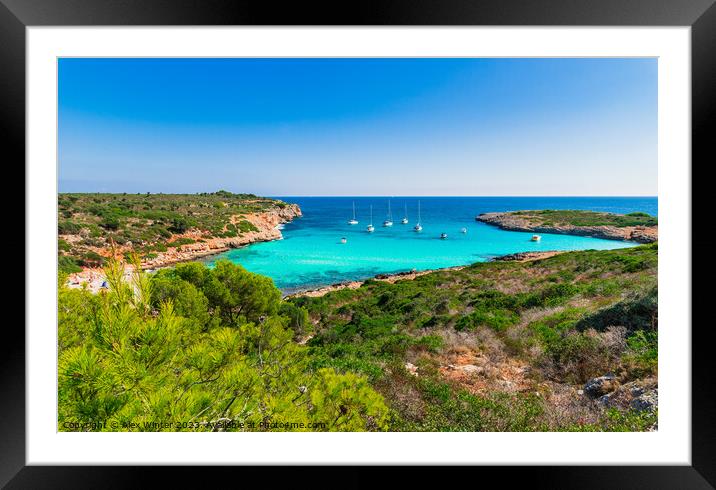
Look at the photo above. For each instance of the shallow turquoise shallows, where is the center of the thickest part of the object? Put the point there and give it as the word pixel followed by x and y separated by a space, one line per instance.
pixel 312 254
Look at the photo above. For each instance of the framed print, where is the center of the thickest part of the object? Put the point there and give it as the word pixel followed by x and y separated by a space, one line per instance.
pixel 458 235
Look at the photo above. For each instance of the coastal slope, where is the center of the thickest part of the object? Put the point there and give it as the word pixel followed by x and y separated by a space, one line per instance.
pixel 563 343
pixel 265 228
pixel 162 229
pixel 636 227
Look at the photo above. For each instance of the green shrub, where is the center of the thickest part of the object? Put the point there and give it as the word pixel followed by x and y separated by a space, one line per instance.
pixel 552 295
pixel 68 228
pixel 578 356
pixel 639 311
pixel 549 329
pixel 496 319
pixel 179 225
pixel 110 222
pixel 181 241
pixel 246 226
pixel 630 420
pixel 602 287
pixel 615 420
pixel 297 316
pixel 450 410
pixel 433 321
pixel 156 247
pixel 633 264
pixel 67 265
pixel 642 354
pixel 63 246
pixel 431 343
pixel 495 299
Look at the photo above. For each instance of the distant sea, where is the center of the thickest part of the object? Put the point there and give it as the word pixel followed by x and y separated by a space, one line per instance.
pixel 312 255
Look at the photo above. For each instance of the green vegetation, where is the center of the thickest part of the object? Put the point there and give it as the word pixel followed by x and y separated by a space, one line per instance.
pixel 67 265
pixel 200 349
pixel 551 217
pixel 567 319
pixel 181 241
pixel 496 346
pixel 148 223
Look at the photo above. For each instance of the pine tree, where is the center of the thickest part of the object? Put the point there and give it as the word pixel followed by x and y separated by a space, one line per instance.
pixel 194 348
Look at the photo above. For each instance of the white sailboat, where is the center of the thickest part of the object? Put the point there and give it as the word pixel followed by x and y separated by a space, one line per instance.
pixel 370 228
pixel 404 221
pixel 389 221
pixel 418 226
pixel 353 221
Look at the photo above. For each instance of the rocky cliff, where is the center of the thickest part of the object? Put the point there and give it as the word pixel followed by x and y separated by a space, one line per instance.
pixel 266 226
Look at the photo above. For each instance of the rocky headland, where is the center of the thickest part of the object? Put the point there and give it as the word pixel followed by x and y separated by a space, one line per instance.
pixel 265 227
pixel 266 224
pixel 574 224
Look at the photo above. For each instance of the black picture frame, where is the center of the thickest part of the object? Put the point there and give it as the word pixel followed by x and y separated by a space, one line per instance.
pixel 16 15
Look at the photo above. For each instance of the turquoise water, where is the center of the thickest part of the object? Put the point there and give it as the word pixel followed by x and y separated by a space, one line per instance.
pixel 312 255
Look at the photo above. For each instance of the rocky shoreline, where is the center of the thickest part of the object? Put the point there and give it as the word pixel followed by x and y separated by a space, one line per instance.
pixel 527 256
pixel 391 278
pixel 410 275
pixel 267 224
pixel 514 222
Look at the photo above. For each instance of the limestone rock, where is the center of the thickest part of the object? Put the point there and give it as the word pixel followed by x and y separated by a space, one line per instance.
pixel 645 399
pixel 412 368
pixel 598 387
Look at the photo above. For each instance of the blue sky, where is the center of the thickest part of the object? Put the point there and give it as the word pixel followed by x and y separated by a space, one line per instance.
pixel 359 126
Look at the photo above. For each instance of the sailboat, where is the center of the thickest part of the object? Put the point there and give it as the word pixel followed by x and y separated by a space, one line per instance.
pixel 370 228
pixel 417 226
pixel 389 221
pixel 353 221
pixel 404 221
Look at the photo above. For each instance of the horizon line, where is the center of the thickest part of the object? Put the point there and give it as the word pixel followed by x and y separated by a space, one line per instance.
pixel 463 195
pixel 364 195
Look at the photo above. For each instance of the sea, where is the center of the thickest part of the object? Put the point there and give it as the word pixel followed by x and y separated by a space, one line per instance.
pixel 311 253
